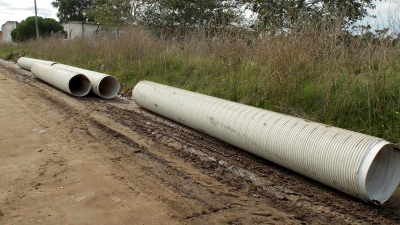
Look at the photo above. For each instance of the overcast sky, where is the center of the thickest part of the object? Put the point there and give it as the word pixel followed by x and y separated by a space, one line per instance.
pixel 387 15
pixel 17 10
pixel 387 12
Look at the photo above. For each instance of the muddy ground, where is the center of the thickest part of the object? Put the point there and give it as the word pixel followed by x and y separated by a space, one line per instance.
pixel 68 160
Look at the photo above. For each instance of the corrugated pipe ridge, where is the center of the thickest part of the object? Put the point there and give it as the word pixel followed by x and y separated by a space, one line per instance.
pixel 70 82
pixel 103 85
pixel 360 165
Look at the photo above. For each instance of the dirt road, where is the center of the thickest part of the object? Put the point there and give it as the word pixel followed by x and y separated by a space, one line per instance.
pixel 67 160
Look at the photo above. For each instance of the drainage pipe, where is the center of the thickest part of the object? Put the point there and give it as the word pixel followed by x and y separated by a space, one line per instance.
pixel 103 85
pixel 27 63
pixel 362 166
pixel 70 82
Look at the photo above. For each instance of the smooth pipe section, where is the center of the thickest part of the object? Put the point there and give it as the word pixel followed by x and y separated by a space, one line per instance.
pixel 27 63
pixel 103 85
pixel 362 166
pixel 73 83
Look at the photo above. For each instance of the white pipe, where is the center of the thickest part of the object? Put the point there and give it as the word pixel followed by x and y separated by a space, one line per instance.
pixel 362 166
pixel 70 82
pixel 27 63
pixel 103 85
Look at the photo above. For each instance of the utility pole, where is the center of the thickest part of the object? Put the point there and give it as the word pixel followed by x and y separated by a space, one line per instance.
pixel 36 23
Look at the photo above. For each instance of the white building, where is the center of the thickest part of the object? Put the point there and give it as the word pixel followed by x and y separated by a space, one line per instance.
pixel 6 30
pixel 80 29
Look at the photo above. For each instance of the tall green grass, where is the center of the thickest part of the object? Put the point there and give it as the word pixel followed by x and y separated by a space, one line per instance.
pixel 315 73
pixel 12 51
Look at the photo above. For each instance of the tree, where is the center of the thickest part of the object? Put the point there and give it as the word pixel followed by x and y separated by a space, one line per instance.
pixel 73 10
pixel 169 14
pixel 26 29
pixel 284 13
pixel 113 14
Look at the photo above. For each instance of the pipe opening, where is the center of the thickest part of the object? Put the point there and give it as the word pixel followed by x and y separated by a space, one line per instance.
pixel 383 175
pixel 108 87
pixel 79 85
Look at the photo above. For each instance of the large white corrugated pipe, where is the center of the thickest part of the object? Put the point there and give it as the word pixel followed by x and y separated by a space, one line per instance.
pixel 360 165
pixel 103 85
pixel 27 63
pixel 70 82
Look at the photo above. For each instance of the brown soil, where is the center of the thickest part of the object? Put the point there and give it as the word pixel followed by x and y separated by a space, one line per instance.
pixel 67 160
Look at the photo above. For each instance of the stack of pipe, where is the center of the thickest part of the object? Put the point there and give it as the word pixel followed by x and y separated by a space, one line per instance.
pixel 73 80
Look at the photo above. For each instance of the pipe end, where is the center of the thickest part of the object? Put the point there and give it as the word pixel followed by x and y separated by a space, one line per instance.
pixel 108 87
pixel 79 85
pixel 379 174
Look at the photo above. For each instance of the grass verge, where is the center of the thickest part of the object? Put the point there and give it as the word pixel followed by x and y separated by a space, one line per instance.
pixel 318 74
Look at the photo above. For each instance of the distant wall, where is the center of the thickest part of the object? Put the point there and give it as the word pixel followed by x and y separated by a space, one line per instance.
pixel 6 31
pixel 80 29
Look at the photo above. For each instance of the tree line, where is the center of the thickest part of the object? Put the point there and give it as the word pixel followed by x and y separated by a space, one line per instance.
pixel 193 14
pixel 175 17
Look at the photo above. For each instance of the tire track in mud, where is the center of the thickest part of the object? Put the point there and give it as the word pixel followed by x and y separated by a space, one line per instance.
pixel 162 166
